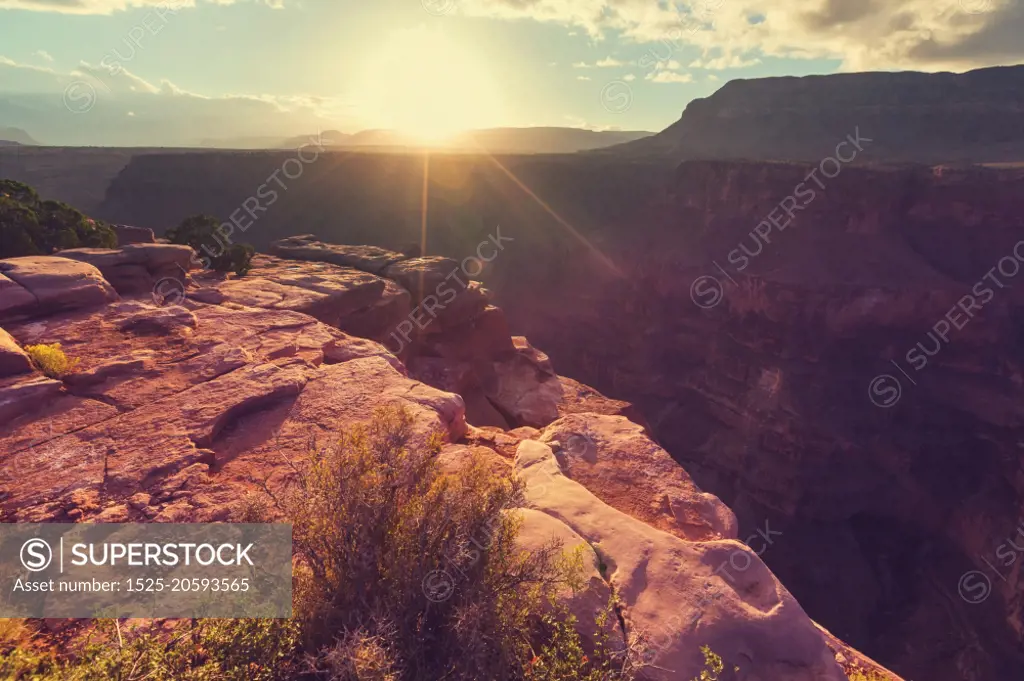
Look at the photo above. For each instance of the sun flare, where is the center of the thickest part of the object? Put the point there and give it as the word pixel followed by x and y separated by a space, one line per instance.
pixel 424 85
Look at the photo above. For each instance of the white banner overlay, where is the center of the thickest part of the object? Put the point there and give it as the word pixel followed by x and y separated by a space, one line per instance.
pixel 149 570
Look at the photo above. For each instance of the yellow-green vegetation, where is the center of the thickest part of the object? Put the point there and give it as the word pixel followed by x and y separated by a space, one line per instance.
pixel 866 676
pixel 713 666
pixel 51 360
pixel 197 650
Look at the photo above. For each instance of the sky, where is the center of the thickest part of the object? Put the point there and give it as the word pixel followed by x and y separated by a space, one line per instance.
pixel 177 71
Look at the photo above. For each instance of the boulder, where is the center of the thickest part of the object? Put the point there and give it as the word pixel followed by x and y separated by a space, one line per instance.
pixel 56 283
pixel 136 268
pixel 13 360
pixel 379 319
pixel 442 293
pixel 127 234
pixel 525 388
pixel 539 530
pixel 326 292
pixel 24 393
pixel 616 461
pixel 683 595
pixel 306 247
pixel 14 298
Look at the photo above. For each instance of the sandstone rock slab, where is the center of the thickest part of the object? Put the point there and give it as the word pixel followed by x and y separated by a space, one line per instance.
pixel 306 247
pixel 13 360
pixel 674 591
pixel 616 461
pixel 326 292
pixel 58 283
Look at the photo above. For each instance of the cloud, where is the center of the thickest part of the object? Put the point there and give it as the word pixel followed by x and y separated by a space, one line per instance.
pixel 606 63
pixel 629 77
pixel 111 6
pixel 669 77
pixel 44 55
pixel 732 61
pixel 930 35
pixel 87 106
pixel 582 77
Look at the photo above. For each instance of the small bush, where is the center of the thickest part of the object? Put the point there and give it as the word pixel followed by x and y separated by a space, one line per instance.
pixel 407 574
pixel 196 650
pixel 51 360
pixel 203 233
pixel 32 226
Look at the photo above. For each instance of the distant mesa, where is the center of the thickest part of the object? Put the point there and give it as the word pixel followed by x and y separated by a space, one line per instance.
pixel 972 117
pixel 538 140
pixel 16 137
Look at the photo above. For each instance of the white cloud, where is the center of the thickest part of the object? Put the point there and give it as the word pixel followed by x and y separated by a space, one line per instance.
pixel 669 77
pixel 44 55
pixel 582 77
pixel 732 61
pixel 629 77
pixel 606 63
pixel 88 106
pixel 862 34
pixel 111 6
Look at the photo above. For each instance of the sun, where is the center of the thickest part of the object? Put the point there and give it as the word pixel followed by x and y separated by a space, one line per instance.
pixel 424 85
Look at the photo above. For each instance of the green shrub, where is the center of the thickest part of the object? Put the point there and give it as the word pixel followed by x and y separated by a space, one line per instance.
pixel 411 574
pixel 51 360
pixel 196 650
pixel 203 234
pixel 713 666
pixel 31 226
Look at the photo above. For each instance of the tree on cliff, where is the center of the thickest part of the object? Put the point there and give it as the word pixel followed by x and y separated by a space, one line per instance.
pixel 216 251
pixel 30 225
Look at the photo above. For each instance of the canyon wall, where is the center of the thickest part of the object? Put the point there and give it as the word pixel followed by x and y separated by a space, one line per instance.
pixel 922 117
pixel 781 366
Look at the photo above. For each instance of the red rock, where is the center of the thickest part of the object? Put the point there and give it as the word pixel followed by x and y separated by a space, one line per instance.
pixel 55 284
pixel 675 592
pixel 326 292
pixel 25 392
pixel 126 234
pixel 13 359
pixel 306 247
pixel 614 459
pixel 14 298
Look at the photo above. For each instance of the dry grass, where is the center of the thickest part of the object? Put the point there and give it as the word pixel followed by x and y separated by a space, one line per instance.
pixel 51 360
